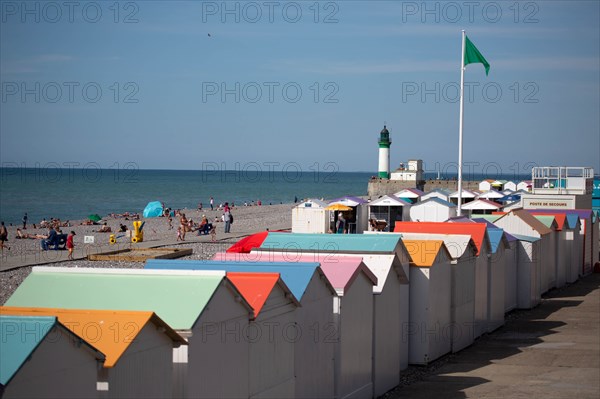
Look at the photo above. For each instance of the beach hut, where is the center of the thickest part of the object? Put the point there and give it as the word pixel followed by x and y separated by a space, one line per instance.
pixel 557 223
pixel 499 184
pixel 528 271
pixel 510 185
pixel 358 220
pixel 41 358
pixel 467 196
pixel 429 328
pixel 386 257
pixel 388 209
pixel 313 358
pixel 508 257
pixel 498 259
pixel 202 306
pixel 463 250
pixel 478 233
pixel 310 216
pixel 524 185
pixel 432 210
pixel 138 347
pixel 491 195
pixel 523 223
pixel 440 193
pixel 485 185
pixel 410 195
pixel 573 247
pixel 481 206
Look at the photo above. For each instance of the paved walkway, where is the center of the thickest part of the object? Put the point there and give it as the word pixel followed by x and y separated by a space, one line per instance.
pixel 552 351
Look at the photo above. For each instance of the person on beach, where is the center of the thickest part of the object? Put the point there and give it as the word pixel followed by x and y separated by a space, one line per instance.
pixel 25 221
pixel 170 222
pixel 212 204
pixel 70 245
pixel 227 217
pixel 213 234
pixel 3 236
pixel 105 228
pixel 179 234
pixel 183 225
pixel 200 206
pixel 341 224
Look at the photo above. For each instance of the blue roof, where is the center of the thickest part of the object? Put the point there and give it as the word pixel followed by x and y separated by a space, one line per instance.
pixel 295 275
pixel 332 243
pixel 21 335
pixel 572 219
pixel 494 232
pixel 439 201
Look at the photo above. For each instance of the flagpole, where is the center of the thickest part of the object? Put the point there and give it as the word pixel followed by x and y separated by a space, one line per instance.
pixel 460 124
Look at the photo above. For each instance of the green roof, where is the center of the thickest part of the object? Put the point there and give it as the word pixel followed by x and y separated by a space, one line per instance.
pixel 177 297
pixel 546 220
pixel 489 218
pixel 344 243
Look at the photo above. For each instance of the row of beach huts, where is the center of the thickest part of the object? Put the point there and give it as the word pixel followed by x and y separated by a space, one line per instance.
pixel 282 315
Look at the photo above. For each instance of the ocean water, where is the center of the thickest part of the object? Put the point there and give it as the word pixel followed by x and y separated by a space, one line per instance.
pixel 75 193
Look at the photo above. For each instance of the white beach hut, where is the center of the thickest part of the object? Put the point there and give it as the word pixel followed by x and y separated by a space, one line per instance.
pixel 313 357
pixel 463 251
pixel 573 247
pixel 467 196
pixel 524 185
pixel 440 193
pixel 528 271
pixel 429 328
pixel 310 216
pixel 388 209
pixel 485 185
pixel 510 185
pixel 41 358
pixel 432 210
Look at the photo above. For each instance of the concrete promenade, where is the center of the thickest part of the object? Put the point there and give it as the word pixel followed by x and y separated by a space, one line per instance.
pixel 552 351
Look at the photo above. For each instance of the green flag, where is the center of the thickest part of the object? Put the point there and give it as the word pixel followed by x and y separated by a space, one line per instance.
pixel 473 56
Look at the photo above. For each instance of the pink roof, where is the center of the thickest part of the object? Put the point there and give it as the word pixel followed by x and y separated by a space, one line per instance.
pixel 344 272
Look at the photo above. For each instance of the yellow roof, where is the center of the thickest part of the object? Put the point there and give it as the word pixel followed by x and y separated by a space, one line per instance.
pixel 109 331
pixel 424 252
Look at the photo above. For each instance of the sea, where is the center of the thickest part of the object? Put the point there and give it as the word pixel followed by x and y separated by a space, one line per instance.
pixel 72 194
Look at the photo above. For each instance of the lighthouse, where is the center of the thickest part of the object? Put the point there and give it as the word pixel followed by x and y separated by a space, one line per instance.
pixel 384 153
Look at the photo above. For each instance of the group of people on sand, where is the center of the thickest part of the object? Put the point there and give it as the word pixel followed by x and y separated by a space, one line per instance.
pixel 188 225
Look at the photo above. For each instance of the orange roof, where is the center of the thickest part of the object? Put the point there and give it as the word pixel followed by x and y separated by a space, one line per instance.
pixel 477 231
pixel 110 331
pixel 424 252
pixel 254 287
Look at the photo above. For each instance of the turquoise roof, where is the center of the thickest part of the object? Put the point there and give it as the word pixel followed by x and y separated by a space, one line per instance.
pixel 295 275
pixel 438 201
pixel 21 335
pixel 178 299
pixel 343 243
pixel 525 238
pixel 495 235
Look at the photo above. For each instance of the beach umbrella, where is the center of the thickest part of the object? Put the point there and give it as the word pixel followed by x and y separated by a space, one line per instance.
pixel 94 217
pixel 338 207
pixel 153 209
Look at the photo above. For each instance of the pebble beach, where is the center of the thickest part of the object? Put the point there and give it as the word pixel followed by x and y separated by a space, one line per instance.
pixel 247 220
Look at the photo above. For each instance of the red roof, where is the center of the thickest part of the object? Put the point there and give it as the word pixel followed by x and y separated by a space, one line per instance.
pixel 477 231
pixel 254 287
pixel 247 244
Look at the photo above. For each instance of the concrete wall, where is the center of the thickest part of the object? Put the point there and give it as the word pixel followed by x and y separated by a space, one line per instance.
pixel 379 187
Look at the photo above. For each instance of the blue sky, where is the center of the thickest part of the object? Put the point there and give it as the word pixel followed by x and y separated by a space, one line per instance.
pixel 145 83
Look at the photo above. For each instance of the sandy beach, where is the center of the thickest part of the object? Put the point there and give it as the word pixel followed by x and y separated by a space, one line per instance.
pixel 247 219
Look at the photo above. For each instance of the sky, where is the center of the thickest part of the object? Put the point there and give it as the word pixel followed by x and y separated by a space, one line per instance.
pixel 272 85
